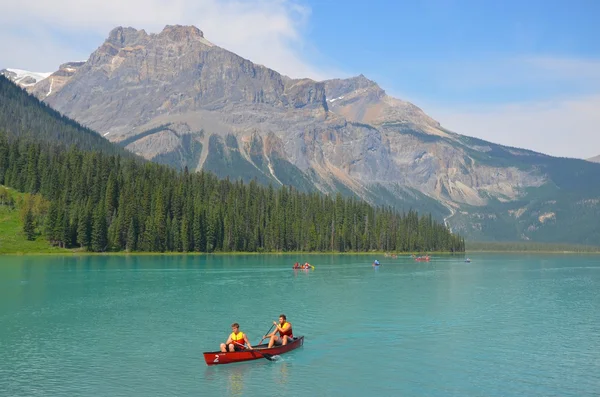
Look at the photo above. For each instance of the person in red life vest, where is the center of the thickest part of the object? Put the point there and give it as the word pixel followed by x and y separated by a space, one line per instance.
pixel 237 341
pixel 296 265
pixel 285 332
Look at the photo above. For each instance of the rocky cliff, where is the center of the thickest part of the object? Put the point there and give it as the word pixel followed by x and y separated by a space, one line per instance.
pixel 176 98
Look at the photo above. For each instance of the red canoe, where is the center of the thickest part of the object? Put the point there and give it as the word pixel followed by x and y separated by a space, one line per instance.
pixel 260 351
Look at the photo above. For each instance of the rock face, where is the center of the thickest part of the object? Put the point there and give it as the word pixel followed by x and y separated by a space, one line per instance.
pixel 56 81
pixel 176 98
pixel 362 100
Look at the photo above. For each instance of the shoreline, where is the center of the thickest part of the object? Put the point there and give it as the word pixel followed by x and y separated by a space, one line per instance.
pixel 85 253
pixel 401 255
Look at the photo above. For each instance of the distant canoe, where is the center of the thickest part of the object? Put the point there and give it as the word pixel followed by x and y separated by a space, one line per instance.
pixel 303 268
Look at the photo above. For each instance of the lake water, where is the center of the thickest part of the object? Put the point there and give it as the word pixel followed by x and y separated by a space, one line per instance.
pixel 502 325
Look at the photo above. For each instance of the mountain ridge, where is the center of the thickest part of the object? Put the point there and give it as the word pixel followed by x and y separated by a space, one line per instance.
pixel 176 98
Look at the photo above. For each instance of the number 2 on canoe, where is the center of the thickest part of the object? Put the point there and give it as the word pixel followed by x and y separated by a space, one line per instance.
pixel 216 360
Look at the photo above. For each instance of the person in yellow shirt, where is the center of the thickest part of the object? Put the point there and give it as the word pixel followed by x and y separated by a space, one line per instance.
pixel 237 341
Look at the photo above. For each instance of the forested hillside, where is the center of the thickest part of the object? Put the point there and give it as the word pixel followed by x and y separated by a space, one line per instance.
pixel 22 115
pixel 108 203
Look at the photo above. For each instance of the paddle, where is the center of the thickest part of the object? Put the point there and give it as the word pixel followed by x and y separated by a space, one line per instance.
pixel 264 355
pixel 266 334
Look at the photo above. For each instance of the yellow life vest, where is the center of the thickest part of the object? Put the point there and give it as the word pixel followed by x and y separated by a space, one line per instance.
pixel 239 338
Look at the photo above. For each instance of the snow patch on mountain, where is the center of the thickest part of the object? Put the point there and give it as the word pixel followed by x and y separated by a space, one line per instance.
pixel 24 78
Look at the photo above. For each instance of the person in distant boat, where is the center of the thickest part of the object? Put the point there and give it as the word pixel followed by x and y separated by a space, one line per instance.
pixel 306 266
pixel 296 265
pixel 376 263
pixel 284 328
pixel 237 341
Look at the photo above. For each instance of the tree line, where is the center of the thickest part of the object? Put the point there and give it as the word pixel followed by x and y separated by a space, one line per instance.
pixel 105 202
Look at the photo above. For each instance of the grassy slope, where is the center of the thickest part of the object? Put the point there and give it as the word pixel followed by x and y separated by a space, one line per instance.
pixel 12 238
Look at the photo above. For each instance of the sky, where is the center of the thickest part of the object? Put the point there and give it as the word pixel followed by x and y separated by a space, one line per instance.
pixel 519 73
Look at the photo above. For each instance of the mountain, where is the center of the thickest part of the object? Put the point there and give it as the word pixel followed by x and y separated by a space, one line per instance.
pixel 24 78
pixel 22 115
pixel 92 199
pixel 176 98
pixel 595 159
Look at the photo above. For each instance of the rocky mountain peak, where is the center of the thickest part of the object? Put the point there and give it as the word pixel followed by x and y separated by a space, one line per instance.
pixel 123 37
pixel 182 33
pixel 339 87
pixel 362 100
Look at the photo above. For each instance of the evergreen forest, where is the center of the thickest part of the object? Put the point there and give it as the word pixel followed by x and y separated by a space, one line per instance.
pixel 106 202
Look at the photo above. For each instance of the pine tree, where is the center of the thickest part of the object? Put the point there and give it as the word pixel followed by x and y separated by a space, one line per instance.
pixel 131 244
pixel 4 150
pixel 28 226
pixel 84 227
pixel 185 235
pixel 51 221
pixel 99 238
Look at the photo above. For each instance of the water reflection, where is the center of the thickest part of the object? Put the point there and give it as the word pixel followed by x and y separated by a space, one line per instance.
pixel 235 386
pixel 300 271
pixel 229 378
pixel 283 373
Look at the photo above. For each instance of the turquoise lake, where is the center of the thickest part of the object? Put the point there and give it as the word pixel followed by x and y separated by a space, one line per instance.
pixel 502 325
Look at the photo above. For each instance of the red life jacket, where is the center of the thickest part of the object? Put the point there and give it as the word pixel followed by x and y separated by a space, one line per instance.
pixel 288 331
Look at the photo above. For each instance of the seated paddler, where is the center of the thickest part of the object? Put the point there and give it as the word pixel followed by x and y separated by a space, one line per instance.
pixel 237 341
pixel 284 328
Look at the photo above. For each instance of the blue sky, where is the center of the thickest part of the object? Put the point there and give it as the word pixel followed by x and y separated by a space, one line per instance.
pixel 519 73
pixel 443 49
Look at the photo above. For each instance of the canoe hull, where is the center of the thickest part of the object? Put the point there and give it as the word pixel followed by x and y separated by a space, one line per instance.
pixel 216 358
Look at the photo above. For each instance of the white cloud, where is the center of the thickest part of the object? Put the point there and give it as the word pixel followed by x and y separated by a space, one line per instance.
pixel 39 34
pixel 563 128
